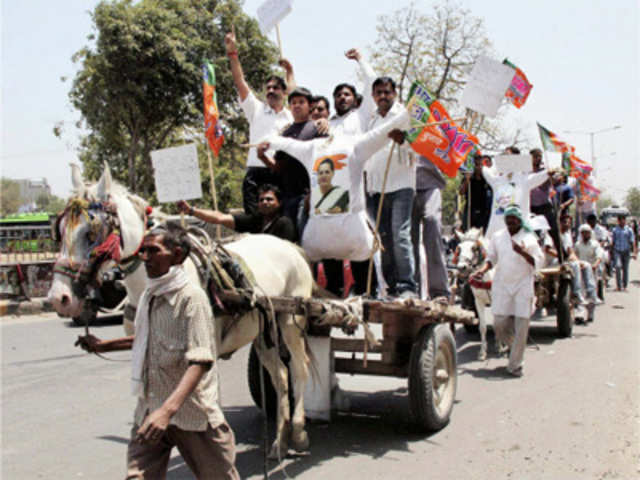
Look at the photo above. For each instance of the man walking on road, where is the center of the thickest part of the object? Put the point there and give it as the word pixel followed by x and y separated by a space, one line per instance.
pixel 174 373
pixel 516 254
pixel 624 247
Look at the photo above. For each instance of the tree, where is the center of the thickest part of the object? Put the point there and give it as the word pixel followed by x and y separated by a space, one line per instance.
pixel 604 201
pixel 439 50
pixel 450 201
pixel 632 201
pixel 10 199
pixel 140 85
pixel 50 203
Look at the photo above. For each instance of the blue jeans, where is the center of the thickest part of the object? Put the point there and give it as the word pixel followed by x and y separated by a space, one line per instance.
pixel 621 263
pixel 398 265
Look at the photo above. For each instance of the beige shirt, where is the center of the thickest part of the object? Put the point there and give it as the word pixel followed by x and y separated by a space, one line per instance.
pixel 181 330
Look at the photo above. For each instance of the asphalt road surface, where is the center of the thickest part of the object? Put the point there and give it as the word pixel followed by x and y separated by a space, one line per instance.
pixel 574 415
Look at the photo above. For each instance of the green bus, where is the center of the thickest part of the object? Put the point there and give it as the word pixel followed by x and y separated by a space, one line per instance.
pixel 27 232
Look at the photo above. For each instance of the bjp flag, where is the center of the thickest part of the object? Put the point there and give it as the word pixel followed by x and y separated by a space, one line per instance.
pixel 212 129
pixel 446 145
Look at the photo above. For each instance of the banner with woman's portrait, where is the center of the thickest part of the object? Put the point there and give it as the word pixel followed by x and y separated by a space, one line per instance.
pixel 330 184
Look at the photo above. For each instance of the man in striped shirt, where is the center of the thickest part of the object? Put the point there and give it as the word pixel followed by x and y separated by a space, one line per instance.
pixel 174 371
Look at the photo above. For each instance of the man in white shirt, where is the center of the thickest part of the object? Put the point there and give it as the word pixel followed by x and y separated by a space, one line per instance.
pixel 264 119
pixel 398 266
pixel 580 273
pixel 590 254
pixel 516 255
pixel 342 234
pixel 351 119
pixel 600 233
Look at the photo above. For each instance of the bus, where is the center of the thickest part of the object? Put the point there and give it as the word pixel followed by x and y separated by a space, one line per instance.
pixel 609 215
pixel 27 232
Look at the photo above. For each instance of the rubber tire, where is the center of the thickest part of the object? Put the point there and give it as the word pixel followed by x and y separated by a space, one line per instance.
pixel 564 312
pixel 433 346
pixel 81 322
pixel 468 303
pixel 601 289
pixel 253 377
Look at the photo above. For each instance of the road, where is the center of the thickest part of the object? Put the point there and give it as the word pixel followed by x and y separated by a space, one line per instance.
pixel 574 415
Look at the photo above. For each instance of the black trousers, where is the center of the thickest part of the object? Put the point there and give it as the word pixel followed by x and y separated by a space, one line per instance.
pixel 334 273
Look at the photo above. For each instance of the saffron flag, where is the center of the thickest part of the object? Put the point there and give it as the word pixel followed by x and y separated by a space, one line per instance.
pixel 551 142
pixel 520 88
pixel 212 129
pixel 589 191
pixel 577 168
pixel 446 145
pixel 470 164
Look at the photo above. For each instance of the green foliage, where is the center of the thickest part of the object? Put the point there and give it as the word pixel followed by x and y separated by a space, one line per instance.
pixel 450 201
pixel 50 203
pixel 632 201
pixel 603 201
pixel 10 199
pixel 139 87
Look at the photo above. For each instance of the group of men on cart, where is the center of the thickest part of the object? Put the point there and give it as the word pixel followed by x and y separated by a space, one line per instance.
pixel 318 179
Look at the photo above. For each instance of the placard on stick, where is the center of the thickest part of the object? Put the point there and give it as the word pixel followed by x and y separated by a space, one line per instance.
pixel 271 12
pixel 177 173
pixel 506 164
pixel 486 86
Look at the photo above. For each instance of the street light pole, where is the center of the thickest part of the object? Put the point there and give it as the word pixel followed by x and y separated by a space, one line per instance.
pixel 593 134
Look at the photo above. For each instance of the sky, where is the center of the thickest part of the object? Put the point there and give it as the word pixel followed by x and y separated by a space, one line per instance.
pixel 581 56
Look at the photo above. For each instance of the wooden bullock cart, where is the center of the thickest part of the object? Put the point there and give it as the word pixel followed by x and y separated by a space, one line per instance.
pixel 417 344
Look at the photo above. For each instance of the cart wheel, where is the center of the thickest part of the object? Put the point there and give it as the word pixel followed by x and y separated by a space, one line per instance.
pixel 601 288
pixel 253 377
pixel 564 312
pixel 80 321
pixel 432 377
pixel 469 328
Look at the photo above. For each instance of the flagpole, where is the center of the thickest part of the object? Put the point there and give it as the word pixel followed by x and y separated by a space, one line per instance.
pixel 212 185
pixel 378 216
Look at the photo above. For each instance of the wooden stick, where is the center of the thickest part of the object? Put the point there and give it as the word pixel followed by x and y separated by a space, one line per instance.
pixel 384 185
pixel 433 124
pixel 214 196
pixel 249 145
pixel 279 41
pixel 182 222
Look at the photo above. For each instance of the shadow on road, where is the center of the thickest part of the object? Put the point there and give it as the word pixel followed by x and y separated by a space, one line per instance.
pixel 381 425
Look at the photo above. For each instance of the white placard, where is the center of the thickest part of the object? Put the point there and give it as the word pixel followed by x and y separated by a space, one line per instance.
pixel 271 12
pixel 177 173
pixel 486 86
pixel 506 164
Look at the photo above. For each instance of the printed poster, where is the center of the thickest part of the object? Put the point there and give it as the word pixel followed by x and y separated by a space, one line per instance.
pixel 330 185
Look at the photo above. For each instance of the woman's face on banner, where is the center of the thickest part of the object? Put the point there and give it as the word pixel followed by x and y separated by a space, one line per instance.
pixel 325 174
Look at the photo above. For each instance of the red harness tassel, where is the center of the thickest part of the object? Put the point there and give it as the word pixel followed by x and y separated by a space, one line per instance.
pixel 110 248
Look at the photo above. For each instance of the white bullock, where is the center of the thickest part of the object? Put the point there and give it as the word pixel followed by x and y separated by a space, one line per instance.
pixel 470 254
pixel 88 227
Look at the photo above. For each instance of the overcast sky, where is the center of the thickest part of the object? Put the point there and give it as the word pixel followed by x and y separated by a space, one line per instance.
pixel 580 55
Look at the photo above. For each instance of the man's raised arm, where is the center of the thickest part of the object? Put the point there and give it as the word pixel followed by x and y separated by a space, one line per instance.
pixel 236 69
pixel 290 77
